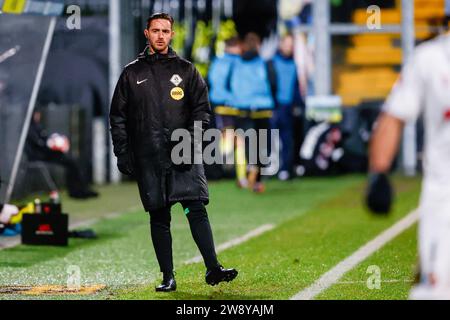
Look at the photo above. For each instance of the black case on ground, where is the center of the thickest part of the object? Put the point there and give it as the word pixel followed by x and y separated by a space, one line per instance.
pixel 45 229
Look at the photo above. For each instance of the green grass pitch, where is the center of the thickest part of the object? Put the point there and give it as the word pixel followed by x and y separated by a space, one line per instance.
pixel 318 222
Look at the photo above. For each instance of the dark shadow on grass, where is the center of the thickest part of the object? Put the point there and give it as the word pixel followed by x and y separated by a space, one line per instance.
pixel 146 292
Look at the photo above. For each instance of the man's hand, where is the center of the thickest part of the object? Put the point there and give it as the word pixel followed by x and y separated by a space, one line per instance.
pixel 383 147
pixel 379 193
pixel 124 164
pixel 6 213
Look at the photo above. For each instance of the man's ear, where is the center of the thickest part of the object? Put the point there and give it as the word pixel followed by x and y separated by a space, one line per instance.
pixel 146 33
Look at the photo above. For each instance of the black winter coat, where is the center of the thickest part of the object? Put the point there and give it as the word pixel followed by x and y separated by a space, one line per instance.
pixel 145 110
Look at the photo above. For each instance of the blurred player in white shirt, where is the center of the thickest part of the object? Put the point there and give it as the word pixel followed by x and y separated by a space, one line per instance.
pixel 423 87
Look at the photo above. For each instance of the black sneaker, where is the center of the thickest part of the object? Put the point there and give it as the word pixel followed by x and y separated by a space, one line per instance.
pixel 168 284
pixel 219 274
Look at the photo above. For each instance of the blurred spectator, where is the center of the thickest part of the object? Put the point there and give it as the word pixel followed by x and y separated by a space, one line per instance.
pixel 295 13
pixel 253 86
pixel 219 80
pixel 287 95
pixel 221 96
pixel 53 149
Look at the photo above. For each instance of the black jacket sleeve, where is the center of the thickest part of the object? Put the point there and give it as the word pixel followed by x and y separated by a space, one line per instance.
pixel 200 109
pixel 37 136
pixel 118 116
pixel 198 101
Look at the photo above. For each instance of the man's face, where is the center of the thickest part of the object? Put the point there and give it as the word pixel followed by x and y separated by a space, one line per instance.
pixel 287 46
pixel 37 116
pixel 159 35
pixel 235 49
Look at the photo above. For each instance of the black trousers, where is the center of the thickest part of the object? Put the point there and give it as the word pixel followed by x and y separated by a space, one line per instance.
pixel 200 228
pixel 75 179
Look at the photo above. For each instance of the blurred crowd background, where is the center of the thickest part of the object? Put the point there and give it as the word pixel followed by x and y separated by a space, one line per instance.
pixel 260 60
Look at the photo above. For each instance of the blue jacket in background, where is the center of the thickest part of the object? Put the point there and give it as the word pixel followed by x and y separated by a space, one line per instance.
pixel 287 81
pixel 219 78
pixel 250 85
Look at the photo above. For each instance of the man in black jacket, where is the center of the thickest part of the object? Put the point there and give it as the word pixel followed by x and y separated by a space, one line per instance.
pixel 156 94
pixel 37 149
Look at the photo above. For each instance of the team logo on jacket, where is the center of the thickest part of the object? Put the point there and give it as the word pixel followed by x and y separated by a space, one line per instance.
pixel 176 79
pixel 177 93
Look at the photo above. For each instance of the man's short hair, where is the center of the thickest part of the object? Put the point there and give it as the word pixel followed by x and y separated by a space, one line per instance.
pixel 160 15
pixel 287 35
pixel 252 41
pixel 231 42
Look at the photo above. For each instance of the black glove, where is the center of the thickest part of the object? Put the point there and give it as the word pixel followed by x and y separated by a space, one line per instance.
pixel 124 164
pixel 379 193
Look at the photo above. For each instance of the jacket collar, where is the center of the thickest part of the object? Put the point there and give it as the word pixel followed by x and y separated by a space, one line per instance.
pixel 145 54
pixel 250 55
pixel 283 57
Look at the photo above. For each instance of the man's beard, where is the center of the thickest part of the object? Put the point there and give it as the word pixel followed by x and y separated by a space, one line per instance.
pixel 155 50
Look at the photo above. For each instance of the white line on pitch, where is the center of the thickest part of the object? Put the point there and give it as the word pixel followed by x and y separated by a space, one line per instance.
pixel 382 281
pixel 234 242
pixel 333 275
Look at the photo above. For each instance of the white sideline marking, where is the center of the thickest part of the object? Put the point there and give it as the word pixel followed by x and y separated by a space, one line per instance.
pixel 382 281
pixel 234 242
pixel 332 276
